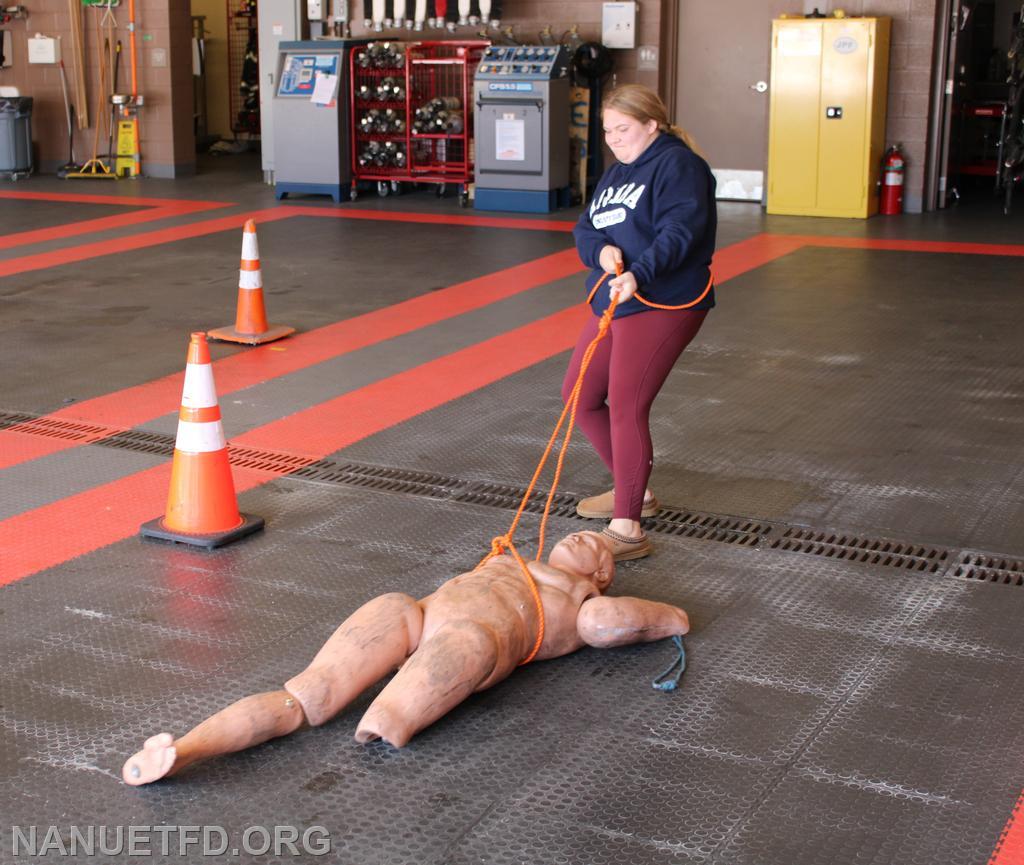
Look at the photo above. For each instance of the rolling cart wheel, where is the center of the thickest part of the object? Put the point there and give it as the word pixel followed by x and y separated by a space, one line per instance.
pixel 382 188
pixel 353 194
pixel 396 187
pixel 464 198
pixel 440 190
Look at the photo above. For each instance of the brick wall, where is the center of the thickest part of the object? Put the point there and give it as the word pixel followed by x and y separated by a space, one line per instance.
pixel 165 121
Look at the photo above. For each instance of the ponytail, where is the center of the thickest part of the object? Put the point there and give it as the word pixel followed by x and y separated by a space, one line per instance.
pixel 685 137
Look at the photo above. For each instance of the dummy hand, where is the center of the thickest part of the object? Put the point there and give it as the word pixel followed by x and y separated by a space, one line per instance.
pixel 623 286
pixel 609 257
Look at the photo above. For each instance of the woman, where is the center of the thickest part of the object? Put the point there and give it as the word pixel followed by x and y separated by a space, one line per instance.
pixel 653 214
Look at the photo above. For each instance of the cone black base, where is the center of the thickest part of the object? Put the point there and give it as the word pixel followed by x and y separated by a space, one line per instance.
pixel 229 334
pixel 156 529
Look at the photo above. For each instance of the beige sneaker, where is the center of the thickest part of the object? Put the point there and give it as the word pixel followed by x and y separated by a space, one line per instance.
pixel 624 549
pixel 602 507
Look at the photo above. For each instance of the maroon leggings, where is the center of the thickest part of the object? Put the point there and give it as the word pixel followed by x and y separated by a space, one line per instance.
pixel 625 374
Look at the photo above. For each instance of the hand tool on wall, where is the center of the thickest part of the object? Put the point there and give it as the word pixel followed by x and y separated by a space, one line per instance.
pixel 78 51
pixel 113 105
pixel 69 113
pixel 96 168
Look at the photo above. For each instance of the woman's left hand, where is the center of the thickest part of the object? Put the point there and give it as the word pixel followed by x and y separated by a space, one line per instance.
pixel 623 287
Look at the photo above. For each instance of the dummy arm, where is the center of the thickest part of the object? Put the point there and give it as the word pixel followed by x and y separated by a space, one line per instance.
pixel 605 622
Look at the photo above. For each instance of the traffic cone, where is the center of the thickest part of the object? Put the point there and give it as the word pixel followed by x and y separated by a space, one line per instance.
pixel 201 506
pixel 250 318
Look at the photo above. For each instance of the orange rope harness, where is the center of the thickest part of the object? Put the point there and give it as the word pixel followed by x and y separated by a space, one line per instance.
pixel 504 542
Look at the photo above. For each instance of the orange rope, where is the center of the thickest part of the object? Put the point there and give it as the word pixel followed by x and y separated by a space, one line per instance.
pixel 651 303
pixel 503 542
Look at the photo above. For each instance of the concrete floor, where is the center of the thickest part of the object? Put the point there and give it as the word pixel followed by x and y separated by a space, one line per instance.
pixel 839 453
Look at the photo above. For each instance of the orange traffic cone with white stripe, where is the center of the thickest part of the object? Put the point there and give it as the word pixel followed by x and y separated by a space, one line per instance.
pixel 201 505
pixel 251 325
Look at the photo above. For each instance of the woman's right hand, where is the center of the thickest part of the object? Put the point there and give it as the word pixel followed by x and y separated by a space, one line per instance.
pixel 610 257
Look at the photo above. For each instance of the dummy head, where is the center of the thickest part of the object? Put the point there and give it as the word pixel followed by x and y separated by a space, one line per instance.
pixel 585 554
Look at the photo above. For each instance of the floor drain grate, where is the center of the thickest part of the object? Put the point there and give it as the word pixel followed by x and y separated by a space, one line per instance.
pixel 379 478
pixel 509 498
pixel 140 442
pixel 683 523
pixel 727 530
pixel 268 461
pixel 990 569
pixel 52 427
pixel 893 554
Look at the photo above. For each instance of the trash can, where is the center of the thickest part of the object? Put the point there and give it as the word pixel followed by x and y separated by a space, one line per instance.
pixel 16 136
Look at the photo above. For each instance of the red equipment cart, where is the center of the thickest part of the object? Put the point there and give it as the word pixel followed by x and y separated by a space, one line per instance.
pixel 412 114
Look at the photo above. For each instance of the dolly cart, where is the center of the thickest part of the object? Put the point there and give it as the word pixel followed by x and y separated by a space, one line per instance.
pixel 412 123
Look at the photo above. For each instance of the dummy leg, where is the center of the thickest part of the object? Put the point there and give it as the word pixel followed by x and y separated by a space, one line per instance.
pixel 605 622
pixel 241 725
pixel 457 659
pixel 374 641
pixel 368 645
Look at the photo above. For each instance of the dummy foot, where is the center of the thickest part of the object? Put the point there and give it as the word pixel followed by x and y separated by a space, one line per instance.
pixel 154 761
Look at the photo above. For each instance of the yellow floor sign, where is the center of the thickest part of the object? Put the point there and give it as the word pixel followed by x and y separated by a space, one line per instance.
pixel 127 163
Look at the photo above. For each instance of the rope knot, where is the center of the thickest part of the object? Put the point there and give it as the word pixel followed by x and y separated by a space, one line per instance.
pixel 499 544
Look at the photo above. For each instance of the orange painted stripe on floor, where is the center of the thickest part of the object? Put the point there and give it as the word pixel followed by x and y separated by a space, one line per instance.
pixel 91 226
pixel 95 518
pixel 126 200
pixel 52 534
pixel 136 241
pixel 340 422
pixel 133 406
pixel 1010 847
pixel 439 218
pixel 899 245
pixel 749 254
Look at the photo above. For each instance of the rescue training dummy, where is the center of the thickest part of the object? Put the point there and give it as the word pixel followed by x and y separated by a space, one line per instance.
pixel 467 636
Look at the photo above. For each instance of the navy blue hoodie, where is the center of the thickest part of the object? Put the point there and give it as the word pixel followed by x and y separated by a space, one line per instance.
pixel 660 211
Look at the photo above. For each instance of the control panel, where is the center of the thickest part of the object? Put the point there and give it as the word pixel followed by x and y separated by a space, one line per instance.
pixel 536 62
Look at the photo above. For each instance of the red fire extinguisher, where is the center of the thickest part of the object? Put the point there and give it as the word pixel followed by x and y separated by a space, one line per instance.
pixel 891 200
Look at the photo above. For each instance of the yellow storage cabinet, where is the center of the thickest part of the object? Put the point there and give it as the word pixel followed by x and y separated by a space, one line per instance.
pixel 826 131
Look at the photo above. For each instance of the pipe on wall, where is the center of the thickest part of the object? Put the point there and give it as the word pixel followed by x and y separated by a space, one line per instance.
pixel 936 103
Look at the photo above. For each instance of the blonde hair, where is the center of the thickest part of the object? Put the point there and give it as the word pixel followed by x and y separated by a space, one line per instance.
pixel 643 104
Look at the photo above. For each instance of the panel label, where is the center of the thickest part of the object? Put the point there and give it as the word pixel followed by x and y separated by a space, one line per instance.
pixel 845 45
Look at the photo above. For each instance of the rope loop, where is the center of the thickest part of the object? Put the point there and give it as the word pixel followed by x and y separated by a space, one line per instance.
pixel 670 684
pixel 651 303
